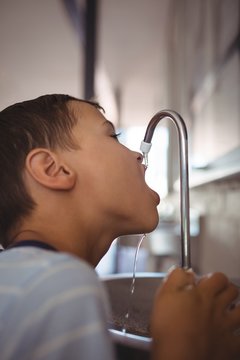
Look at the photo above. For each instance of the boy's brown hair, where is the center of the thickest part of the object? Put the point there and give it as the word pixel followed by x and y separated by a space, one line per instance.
pixel 45 122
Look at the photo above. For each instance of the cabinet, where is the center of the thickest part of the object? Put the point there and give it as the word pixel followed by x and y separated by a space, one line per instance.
pixel 215 100
pixel 204 85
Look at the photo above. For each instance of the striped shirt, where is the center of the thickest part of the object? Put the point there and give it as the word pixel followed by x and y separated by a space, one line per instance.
pixel 52 307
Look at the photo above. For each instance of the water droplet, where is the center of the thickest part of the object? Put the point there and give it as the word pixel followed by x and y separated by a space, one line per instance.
pixel 145 159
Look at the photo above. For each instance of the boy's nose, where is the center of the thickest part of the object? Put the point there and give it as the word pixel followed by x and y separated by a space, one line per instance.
pixel 139 157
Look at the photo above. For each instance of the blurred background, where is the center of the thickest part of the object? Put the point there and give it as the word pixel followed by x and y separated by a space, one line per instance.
pixel 137 57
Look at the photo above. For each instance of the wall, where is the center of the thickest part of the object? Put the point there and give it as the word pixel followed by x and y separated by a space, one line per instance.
pixel 204 75
pixel 204 87
pixel 218 247
pixel 132 38
pixel 40 52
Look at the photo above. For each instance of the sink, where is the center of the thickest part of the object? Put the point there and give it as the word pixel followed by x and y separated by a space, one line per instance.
pixel 136 342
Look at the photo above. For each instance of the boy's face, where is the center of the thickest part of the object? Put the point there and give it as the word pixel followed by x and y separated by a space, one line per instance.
pixel 110 178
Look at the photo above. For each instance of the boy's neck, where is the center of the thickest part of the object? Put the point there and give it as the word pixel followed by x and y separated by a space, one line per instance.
pixel 74 245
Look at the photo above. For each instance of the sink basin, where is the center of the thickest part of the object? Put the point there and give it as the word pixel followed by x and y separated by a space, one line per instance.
pixel 135 344
pixel 137 335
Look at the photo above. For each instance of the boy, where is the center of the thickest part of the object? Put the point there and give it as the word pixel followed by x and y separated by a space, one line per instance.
pixel 68 189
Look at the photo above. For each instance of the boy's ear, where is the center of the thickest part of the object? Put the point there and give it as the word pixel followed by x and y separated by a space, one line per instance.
pixel 48 170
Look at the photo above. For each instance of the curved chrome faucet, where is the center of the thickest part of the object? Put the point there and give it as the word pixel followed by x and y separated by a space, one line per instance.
pixel 184 184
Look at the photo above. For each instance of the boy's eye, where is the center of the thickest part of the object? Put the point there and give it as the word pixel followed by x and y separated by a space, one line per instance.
pixel 115 136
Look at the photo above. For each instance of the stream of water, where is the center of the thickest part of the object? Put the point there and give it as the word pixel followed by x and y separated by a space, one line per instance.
pixel 132 287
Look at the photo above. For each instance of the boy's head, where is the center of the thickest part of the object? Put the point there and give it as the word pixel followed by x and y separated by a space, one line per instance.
pixel 45 122
pixel 65 175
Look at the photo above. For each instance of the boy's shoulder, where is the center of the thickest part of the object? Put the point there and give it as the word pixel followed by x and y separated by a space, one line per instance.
pixel 32 277
pixel 47 296
pixel 31 268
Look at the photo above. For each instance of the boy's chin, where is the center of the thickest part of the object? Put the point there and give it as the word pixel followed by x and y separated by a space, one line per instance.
pixel 149 226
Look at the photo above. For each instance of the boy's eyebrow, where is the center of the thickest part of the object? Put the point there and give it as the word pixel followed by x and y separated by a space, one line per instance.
pixel 109 123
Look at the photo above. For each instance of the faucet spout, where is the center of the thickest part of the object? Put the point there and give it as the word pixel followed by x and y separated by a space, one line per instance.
pixel 184 183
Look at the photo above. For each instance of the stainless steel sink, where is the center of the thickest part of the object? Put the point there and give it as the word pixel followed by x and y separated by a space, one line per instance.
pixel 118 286
pixel 135 344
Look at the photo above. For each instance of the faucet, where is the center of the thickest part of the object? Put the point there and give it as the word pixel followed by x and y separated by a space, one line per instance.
pixel 184 184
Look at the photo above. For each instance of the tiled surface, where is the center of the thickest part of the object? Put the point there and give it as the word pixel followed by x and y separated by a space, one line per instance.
pixel 219 240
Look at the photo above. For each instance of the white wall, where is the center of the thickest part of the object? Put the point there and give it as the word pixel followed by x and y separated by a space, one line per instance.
pixel 132 50
pixel 39 51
